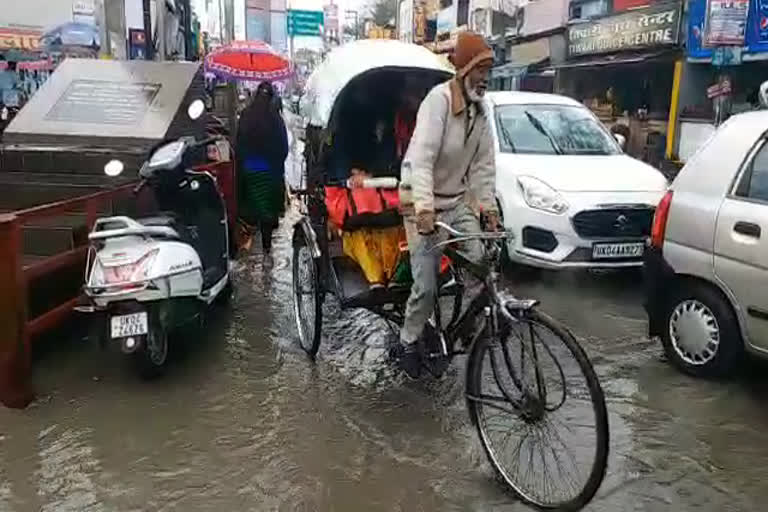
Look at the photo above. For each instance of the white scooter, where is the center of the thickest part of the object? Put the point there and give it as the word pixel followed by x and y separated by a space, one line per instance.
pixel 148 276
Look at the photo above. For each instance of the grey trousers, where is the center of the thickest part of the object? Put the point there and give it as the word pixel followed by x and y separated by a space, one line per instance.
pixel 425 265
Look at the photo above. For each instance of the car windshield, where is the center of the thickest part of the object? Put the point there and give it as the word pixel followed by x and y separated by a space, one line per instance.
pixel 552 129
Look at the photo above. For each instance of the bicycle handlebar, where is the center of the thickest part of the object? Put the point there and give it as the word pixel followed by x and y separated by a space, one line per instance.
pixel 483 234
pixel 386 182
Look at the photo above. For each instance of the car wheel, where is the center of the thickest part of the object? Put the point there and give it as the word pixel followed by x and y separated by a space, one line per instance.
pixel 701 333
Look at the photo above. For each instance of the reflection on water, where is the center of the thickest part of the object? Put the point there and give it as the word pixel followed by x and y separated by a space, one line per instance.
pixel 242 421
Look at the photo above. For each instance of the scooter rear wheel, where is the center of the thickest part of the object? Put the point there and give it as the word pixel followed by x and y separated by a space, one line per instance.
pixel 152 358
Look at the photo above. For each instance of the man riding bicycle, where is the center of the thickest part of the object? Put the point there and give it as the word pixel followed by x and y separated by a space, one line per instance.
pixel 448 172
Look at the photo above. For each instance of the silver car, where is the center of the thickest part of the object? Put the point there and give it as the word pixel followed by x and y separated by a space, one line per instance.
pixel 706 269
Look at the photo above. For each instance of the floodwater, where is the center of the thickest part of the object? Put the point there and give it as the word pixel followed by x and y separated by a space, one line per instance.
pixel 244 422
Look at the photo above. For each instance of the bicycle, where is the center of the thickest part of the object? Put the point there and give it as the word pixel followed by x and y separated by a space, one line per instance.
pixel 490 330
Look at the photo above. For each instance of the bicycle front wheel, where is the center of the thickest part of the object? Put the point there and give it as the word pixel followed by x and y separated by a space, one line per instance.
pixel 540 412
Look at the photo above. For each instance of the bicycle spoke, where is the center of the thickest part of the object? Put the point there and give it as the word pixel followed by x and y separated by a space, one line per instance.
pixel 542 449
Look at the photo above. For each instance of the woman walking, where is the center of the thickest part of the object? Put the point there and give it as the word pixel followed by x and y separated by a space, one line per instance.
pixel 262 146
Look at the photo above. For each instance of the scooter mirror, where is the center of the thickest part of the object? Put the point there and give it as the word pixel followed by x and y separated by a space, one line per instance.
pixel 196 109
pixel 114 168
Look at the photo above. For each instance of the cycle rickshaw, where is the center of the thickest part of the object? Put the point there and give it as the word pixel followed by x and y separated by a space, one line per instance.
pixel 525 403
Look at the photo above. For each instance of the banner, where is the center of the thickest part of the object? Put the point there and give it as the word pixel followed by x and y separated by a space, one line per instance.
pixel 726 22
pixel 331 17
pixel 756 36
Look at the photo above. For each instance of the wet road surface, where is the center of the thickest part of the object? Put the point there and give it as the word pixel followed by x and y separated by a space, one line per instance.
pixel 242 421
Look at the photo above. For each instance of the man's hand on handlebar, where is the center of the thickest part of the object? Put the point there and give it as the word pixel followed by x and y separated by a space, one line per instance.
pixel 425 222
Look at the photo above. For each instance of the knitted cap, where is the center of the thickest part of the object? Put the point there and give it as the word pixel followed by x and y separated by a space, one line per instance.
pixel 471 49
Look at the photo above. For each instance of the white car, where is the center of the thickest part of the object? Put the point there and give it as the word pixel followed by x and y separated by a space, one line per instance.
pixel 564 186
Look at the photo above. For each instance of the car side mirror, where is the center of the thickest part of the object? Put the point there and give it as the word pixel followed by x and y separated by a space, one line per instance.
pixel 621 140
pixel 763 95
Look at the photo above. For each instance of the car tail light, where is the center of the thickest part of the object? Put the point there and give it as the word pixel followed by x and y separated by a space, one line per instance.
pixel 660 220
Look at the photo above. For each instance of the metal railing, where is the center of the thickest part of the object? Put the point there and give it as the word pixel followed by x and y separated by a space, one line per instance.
pixel 17 328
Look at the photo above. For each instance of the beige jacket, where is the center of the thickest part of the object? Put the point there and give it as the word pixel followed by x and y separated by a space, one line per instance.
pixel 450 157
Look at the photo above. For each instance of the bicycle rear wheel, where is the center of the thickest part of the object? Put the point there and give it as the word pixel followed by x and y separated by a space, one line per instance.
pixel 540 412
pixel 307 296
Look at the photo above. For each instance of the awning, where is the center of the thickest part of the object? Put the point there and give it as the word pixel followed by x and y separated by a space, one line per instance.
pixel 508 71
pixel 618 59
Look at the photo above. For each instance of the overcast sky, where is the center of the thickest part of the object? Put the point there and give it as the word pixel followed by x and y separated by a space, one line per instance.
pixel 344 5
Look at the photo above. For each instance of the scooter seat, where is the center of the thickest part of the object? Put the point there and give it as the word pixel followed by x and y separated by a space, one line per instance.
pixel 167 220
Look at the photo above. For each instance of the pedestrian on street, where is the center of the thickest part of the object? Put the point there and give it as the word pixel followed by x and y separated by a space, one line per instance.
pixel 448 167
pixel 261 149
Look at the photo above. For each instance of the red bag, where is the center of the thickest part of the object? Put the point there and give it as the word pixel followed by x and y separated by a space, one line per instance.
pixel 362 207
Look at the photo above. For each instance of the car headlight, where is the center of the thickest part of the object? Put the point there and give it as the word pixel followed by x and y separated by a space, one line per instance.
pixel 541 196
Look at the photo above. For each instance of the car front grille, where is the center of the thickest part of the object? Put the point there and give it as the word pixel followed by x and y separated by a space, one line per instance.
pixel 614 223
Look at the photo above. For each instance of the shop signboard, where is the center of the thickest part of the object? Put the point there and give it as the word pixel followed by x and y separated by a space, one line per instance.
pixel 84 11
pixel 757 32
pixel 20 39
pixel 654 26
pixel 305 23
pixel 755 38
pixel 331 18
pixel 726 22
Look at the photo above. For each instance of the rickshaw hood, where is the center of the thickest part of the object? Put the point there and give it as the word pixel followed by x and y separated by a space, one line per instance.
pixel 345 63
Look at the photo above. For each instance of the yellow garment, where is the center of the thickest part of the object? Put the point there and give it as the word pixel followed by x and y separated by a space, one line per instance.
pixel 375 250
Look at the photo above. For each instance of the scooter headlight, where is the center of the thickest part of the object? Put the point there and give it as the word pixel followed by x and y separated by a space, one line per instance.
pixel 124 274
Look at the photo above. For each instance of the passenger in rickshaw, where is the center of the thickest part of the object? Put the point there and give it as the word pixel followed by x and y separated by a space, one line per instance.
pixel 367 219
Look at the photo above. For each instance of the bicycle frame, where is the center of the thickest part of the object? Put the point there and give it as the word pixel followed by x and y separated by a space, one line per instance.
pixel 488 305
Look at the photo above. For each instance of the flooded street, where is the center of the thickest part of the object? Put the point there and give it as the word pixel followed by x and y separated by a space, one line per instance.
pixel 243 421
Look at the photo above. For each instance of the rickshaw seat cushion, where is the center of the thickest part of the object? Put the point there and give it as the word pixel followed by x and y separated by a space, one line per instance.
pixel 358 208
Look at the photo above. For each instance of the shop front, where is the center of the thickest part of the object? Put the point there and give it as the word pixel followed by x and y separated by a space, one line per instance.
pixel 623 67
pixel 727 61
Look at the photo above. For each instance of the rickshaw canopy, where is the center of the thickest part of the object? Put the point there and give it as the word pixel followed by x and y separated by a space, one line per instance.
pixel 344 64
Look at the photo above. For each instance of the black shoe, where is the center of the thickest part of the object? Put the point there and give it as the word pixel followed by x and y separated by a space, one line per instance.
pixel 408 359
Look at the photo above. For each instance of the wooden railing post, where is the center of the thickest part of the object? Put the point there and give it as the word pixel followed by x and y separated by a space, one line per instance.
pixel 15 386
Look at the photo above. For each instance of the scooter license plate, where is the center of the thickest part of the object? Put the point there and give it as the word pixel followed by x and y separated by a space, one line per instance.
pixel 135 324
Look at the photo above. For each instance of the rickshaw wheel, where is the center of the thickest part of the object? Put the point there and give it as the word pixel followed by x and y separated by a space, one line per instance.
pixel 307 295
